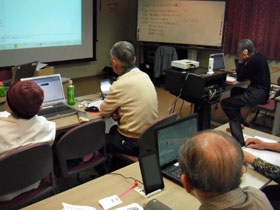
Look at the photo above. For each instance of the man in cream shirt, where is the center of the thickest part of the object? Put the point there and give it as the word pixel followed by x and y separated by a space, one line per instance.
pixel 132 101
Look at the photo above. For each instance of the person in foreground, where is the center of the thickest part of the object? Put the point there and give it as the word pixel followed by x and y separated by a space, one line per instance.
pixel 267 169
pixel 23 126
pixel 253 67
pixel 211 163
pixel 132 101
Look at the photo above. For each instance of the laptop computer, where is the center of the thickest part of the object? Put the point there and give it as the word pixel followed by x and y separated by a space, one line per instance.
pixel 22 71
pixel 219 61
pixel 54 104
pixel 170 138
pixel 236 131
pixel 105 85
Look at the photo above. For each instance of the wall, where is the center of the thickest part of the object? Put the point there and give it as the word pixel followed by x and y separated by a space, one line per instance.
pixel 116 20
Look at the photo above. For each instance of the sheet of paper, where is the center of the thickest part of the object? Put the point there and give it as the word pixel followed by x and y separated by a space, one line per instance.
pixel 96 103
pixel 4 114
pixel 41 65
pixel 133 206
pixel 110 202
pixel 230 79
pixel 269 156
pixel 76 207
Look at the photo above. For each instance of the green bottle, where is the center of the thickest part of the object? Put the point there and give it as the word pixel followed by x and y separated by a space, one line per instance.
pixel 71 93
pixel 2 90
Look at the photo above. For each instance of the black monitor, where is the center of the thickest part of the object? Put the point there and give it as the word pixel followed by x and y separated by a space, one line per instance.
pixel 236 131
pixel 22 71
pixel 172 136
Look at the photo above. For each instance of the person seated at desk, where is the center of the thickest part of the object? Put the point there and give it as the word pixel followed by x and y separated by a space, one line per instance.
pixel 254 67
pixel 23 126
pixel 211 163
pixel 267 169
pixel 132 100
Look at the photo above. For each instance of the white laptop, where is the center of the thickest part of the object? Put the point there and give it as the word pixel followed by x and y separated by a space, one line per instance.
pixel 54 104
pixel 219 61
pixel 105 85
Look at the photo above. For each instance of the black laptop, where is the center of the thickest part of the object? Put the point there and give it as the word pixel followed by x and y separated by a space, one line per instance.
pixel 236 131
pixel 170 138
pixel 22 71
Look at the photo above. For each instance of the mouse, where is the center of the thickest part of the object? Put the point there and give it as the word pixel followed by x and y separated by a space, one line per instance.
pixel 92 109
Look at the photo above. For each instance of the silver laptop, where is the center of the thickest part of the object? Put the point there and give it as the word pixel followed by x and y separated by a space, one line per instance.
pixel 54 104
pixel 170 138
pixel 219 61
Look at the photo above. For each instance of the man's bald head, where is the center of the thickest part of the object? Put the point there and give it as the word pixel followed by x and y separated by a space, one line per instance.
pixel 212 161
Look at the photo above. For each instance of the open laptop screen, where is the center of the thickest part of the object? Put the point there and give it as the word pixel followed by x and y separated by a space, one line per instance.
pixel 172 136
pixel 219 61
pixel 51 86
pixel 105 85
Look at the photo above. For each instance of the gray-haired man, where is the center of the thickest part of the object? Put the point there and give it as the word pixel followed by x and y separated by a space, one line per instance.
pixel 211 163
pixel 254 67
pixel 132 101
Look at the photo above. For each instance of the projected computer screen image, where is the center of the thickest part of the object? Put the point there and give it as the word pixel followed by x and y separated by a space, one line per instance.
pixel 21 29
pixel 171 138
pixel 46 30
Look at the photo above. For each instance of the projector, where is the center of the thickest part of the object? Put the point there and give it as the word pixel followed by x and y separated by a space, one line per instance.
pixel 185 64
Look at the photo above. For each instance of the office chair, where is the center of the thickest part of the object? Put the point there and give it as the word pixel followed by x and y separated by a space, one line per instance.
pixel 147 140
pixel 22 168
pixel 84 140
pixel 5 75
pixel 270 105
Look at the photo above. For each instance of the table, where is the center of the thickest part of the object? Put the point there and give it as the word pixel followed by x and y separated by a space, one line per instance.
pixel 173 195
pixel 71 121
pixel 197 87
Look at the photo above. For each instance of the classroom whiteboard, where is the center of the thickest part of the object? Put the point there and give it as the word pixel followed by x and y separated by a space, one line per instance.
pixel 181 22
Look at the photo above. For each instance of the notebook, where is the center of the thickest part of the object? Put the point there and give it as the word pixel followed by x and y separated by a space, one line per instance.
pixel 54 104
pixel 170 138
pixel 22 71
pixel 105 85
pixel 219 61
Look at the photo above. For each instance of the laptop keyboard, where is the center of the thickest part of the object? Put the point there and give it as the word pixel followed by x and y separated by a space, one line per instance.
pixel 56 112
pixel 174 171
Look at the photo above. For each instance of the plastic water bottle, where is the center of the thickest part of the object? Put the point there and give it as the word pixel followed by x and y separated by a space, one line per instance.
pixel 71 93
pixel 2 90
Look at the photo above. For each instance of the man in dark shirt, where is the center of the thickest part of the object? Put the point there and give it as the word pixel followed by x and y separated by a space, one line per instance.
pixel 254 67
